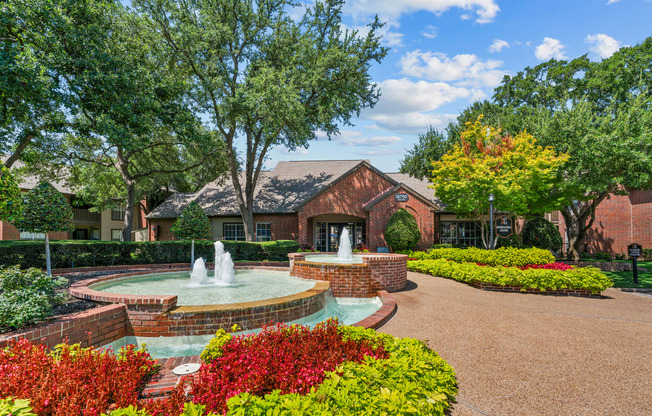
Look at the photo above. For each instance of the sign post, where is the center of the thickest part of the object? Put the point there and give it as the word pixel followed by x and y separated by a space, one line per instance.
pixel 634 251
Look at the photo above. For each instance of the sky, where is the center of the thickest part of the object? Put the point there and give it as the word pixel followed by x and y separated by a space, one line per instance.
pixel 446 54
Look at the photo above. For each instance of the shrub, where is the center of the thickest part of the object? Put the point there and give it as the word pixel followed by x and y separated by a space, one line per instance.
pixel 72 380
pixel 288 359
pixel 15 407
pixel 541 233
pixel 402 231
pixel 511 241
pixel 28 296
pixel 599 255
pixel 76 253
pixel 589 278
pixel 504 256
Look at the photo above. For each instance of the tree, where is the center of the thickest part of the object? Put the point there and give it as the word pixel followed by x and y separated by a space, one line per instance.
pixel 541 233
pixel 9 196
pixel 192 224
pixel 45 210
pixel 597 113
pixel 520 173
pixel 402 231
pixel 431 146
pixel 31 95
pixel 264 79
pixel 132 124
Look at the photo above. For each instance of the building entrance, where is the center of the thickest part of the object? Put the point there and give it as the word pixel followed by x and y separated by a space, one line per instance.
pixel 327 234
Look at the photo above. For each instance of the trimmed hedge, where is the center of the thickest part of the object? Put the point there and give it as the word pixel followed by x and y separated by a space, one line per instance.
pixel 504 256
pixel 541 233
pixel 77 253
pixel 589 278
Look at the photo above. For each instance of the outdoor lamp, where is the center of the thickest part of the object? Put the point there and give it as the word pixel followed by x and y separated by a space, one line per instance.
pixel 491 221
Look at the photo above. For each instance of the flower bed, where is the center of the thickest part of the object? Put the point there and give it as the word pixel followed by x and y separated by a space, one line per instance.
pixel 330 370
pixel 534 277
pixel 504 256
pixel 71 380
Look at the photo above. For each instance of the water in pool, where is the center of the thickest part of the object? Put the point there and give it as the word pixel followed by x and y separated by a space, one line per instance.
pixel 248 285
pixel 347 310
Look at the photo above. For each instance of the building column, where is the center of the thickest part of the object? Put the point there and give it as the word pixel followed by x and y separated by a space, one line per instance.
pixel 302 228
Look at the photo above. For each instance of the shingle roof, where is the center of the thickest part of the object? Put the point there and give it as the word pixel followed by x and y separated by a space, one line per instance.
pixel 28 181
pixel 282 190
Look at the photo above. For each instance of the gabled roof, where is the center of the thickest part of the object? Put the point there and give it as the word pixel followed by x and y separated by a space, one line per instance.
pixel 283 190
pixel 370 204
pixel 28 181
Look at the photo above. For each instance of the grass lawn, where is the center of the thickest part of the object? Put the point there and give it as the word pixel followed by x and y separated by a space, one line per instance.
pixel 626 279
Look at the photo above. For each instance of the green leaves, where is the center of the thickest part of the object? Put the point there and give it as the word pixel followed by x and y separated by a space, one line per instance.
pixel 402 231
pixel 45 210
pixel 9 196
pixel 193 224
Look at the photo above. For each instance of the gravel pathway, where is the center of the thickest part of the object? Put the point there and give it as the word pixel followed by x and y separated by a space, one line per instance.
pixel 518 354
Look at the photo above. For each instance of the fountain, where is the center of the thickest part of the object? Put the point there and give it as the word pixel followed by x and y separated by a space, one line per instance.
pixel 224 274
pixel 199 274
pixel 344 252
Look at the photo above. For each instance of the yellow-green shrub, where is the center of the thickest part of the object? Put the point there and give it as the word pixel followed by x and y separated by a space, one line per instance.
pixel 504 256
pixel 589 278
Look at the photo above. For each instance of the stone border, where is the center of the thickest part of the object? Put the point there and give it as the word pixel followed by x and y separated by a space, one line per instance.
pixel 551 292
pixel 175 266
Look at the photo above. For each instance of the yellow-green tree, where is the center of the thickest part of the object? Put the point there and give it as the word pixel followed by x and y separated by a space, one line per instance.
pixel 518 171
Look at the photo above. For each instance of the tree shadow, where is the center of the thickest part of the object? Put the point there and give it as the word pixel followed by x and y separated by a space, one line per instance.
pixel 285 195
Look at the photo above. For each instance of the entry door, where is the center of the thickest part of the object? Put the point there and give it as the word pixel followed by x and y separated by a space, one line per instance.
pixel 334 232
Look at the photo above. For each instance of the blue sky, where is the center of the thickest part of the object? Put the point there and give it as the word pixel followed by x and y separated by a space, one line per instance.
pixel 446 54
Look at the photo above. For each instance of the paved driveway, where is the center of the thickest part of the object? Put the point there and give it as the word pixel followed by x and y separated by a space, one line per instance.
pixel 518 354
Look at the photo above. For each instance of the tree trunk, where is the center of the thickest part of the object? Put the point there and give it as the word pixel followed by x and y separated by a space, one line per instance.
pixel 576 232
pixel 48 266
pixel 248 221
pixel 192 253
pixel 129 211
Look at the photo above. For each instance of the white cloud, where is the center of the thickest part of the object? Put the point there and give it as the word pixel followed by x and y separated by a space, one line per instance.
pixel 388 37
pixel 603 45
pixel 407 106
pixel 550 48
pixel 612 1
pixel 498 45
pixel 430 32
pixel 355 138
pixel 485 10
pixel 463 69
pixel 378 152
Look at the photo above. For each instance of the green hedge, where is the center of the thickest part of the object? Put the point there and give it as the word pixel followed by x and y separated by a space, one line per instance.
pixel 504 256
pixel 76 253
pixel 589 278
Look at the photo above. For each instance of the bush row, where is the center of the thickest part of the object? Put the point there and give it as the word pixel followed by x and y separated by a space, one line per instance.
pixel 589 278
pixel 74 253
pixel 504 256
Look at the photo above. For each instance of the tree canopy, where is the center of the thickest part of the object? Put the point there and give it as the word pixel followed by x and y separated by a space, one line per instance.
pixel 431 146
pixel 9 195
pixel 265 79
pixel 520 173
pixel 192 224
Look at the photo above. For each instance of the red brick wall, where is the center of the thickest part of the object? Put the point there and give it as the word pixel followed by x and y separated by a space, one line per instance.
pixel 99 326
pixel 620 221
pixel 164 232
pixel 284 226
pixel 382 211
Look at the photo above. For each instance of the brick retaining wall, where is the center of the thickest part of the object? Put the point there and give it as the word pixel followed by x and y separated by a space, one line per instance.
pixel 553 292
pixel 376 272
pixel 96 327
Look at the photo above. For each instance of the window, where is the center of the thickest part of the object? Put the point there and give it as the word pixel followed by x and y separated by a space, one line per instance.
pixel 234 232
pixel 26 235
pixel 118 213
pixel 360 233
pixel 263 231
pixel 116 235
pixel 95 233
pixel 465 233
pixel 321 237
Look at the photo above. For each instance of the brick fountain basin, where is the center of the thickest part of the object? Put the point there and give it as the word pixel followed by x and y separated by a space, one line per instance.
pixel 368 274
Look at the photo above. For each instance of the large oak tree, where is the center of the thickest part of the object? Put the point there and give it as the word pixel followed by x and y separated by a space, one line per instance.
pixel 264 79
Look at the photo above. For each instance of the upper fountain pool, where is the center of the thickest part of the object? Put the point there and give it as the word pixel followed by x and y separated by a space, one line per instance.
pixel 247 285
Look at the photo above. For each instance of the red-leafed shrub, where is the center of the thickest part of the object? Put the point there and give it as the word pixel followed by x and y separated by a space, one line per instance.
pixel 72 380
pixel 549 266
pixel 291 359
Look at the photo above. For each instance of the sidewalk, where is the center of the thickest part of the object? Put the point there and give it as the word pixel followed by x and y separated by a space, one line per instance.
pixel 518 354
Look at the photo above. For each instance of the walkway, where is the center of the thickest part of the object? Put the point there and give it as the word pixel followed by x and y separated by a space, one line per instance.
pixel 518 354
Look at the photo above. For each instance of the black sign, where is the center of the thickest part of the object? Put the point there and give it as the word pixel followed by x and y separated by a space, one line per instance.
pixel 503 226
pixel 634 250
pixel 402 197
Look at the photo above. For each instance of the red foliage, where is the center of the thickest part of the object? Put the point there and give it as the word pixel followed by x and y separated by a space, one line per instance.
pixel 77 382
pixel 549 266
pixel 291 359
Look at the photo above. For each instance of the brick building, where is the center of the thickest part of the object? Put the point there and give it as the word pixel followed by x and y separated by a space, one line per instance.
pixel 312 202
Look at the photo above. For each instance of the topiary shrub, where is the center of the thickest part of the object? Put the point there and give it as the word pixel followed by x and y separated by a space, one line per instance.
pixel 402 231
pixel 541 233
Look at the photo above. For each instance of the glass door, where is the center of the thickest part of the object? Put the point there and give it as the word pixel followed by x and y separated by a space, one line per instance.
pixel 334 232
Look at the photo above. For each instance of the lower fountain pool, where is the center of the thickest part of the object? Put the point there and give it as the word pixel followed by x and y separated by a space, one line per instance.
pixel 248 285
pixel 347 310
